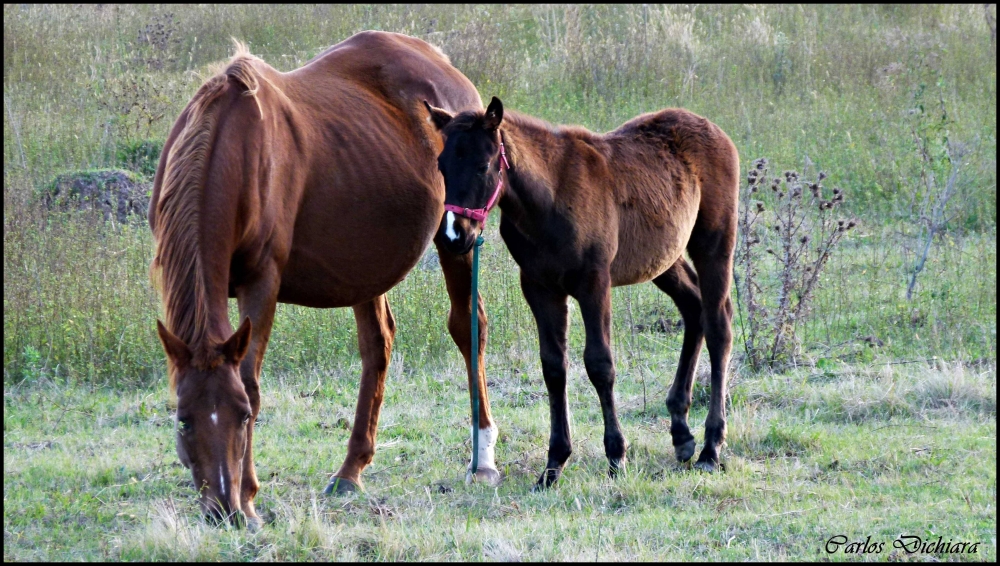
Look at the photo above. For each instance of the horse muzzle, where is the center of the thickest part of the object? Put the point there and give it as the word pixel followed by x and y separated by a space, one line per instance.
pixel 457 233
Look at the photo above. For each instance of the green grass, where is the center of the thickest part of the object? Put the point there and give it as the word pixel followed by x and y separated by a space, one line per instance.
pixel 878 450
pixel 886 427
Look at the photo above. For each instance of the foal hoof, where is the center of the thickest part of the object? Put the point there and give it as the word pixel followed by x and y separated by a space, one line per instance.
pixel 489 476
pixel 706 466
pixel 548 479
pixel 684 451
pixel 709 463
pixel 341 486
pixel 615 468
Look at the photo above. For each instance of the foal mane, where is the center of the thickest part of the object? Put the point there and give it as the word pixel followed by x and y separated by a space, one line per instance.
pixel 177 269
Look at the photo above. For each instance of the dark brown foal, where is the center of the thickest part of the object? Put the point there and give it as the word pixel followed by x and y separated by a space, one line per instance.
pixel 583 213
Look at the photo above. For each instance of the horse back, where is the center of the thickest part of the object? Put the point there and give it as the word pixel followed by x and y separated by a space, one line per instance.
pixel 403 70
pixel 672 172
pixel 693 154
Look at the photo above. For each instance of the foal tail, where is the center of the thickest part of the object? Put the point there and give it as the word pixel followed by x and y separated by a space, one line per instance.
pixel 174 216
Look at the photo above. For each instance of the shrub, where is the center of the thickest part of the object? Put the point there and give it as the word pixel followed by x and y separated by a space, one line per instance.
pixel 797 229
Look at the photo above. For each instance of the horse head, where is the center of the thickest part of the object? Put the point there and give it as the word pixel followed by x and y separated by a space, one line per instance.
pixel 213 417
pixel 471 162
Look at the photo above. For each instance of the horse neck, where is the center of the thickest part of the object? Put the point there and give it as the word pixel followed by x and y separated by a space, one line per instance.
pixel 192 252
pixel 532 150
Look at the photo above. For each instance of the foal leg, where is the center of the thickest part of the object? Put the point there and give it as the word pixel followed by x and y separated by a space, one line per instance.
pixel 681 283
pixel 258 301
pixel 458 280
pixel 550 313
pixel 712 252
pixel 376 331
pixel 594 297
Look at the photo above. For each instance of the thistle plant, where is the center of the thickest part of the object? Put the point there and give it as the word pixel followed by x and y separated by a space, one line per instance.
pixel 795 221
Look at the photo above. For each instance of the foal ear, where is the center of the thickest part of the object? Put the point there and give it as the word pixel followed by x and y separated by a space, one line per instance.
pixel 439 116
pixel 177 350
pixel 494 114
pixel 236 347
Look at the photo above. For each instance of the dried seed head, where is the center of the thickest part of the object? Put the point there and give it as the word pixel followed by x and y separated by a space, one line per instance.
pixel 770 251
pixel 836 191
pixel 760 207
pixel 804 239
pixel 761 163
pixel 777 228
pixel 781 194
pixel 851 224
pixel 753 188
pixel 840 223
pixel 821 176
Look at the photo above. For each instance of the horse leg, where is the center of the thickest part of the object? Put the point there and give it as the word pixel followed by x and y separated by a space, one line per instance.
pixel 550 313
pixel 681 283
pixel 594 297
pixel 458 280
pixel 376 331
pixel 712 252
pixel 258 301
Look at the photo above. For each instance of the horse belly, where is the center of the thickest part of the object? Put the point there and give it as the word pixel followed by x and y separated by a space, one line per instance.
pixel 646 250
pixel 350 248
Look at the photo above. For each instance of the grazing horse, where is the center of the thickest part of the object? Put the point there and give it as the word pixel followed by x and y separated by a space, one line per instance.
pixel 316 187
pixel 583 213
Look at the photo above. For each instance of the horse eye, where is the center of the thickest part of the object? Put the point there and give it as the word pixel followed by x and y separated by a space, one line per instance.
pixel 246 419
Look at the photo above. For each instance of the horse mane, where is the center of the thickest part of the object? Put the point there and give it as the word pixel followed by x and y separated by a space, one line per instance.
pixel 177 269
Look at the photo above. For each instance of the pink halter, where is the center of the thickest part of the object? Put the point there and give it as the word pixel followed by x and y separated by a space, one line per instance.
pixel 481 214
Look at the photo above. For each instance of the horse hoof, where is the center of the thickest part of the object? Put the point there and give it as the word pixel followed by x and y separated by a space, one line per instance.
pixel 710 466
pixel 548 479
pixel 616 468
pixel 684 451
pixel 254 524
pixel 489 476
pixel 341 486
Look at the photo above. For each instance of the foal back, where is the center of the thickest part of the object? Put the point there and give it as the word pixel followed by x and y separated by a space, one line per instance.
pixel 671 173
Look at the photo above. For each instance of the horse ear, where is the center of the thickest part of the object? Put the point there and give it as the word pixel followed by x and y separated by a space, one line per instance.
pixel 236 347
pixel 177 350
pixel 494 114
pixel 439 116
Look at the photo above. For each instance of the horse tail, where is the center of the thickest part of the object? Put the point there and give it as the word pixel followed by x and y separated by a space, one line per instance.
pixel 176 270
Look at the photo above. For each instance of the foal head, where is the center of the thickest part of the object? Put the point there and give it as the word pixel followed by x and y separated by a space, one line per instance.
pixel 213 415
pixel 471 164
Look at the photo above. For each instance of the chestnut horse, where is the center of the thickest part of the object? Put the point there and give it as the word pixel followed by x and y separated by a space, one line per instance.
pixel 584 212
pixel 316 187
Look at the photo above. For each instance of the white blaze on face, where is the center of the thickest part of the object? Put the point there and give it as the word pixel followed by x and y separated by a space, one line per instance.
pixel 449 226
pixel 487 444
pixel 222 482
pixel 215 419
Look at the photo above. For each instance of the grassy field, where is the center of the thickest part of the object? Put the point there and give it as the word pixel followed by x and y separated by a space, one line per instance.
pixel 882 423
pixel 879 450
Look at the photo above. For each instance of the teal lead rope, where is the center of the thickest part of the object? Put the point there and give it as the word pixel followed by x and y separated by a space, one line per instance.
pixel 475 357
